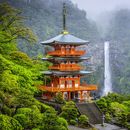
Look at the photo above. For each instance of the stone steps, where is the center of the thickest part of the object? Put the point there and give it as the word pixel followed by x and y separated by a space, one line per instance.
pixel 92 111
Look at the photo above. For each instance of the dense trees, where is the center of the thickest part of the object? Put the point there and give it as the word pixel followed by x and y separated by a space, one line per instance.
pixel 116 108
pixel 9 123
pixel 20 75
pixel 69 111
pixel 19 78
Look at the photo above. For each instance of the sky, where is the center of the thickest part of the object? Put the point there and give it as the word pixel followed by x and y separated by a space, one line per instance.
pixel 95 7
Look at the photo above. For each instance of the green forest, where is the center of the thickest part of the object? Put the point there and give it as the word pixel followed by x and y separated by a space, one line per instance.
pixel 22 27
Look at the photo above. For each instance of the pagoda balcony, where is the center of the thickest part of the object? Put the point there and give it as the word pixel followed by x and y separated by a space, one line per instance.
pixel 66 67
pixel 87 87
pixel 66 53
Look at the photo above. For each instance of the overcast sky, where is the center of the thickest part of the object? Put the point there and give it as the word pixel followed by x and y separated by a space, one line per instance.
pixel 95 7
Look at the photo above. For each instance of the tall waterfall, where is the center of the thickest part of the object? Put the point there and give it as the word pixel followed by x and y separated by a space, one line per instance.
pixel 107 71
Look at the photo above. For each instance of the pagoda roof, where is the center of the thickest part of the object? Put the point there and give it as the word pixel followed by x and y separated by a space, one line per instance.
pixel 65 38
pixel 56 59
pixel 66 73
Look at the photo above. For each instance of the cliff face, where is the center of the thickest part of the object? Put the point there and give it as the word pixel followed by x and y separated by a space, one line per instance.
pixel 45 19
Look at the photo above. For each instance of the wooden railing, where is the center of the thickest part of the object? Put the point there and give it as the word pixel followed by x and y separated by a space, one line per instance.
pixel 90 87
pixel 66 53
pixel 66 67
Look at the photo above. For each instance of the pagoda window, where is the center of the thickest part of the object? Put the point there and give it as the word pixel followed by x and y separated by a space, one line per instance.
pixel 62 83
pixel 76 83
pixel 67 48
pixel 62 49
pixel 72 49
pixel 69 84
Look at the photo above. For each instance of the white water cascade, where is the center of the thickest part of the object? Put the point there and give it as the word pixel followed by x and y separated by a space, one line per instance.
pixel 107 71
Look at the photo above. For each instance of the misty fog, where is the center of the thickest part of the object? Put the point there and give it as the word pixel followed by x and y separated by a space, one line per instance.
pixel 95 8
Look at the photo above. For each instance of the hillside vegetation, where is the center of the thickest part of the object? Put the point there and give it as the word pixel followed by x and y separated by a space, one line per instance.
pixel 19 78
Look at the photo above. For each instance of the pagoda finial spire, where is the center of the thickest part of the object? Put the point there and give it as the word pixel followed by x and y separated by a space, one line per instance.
pixel 64 19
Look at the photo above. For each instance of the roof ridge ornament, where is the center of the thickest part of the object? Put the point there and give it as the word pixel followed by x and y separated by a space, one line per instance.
pixel 64 20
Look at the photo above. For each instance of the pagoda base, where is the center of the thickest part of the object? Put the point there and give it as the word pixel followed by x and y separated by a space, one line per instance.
pixel 81 93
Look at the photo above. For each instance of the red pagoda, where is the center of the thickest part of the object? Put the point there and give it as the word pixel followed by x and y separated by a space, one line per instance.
pixel 66 73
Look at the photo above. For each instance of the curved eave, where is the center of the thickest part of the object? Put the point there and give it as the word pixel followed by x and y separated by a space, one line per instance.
pixel 65 39
pixel 64 43
pixel 65 73
pixel 56 59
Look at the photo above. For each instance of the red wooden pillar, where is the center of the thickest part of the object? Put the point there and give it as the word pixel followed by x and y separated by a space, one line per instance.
pixel 78 81
pixel 65 83
pixel 73 83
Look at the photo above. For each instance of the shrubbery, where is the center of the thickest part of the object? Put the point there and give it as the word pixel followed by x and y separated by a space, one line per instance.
pixel 115 107
pixel 59 99
pixel 9 123
pixel 19 78
pixel 83 120
pixel 69 111
pixel 73 122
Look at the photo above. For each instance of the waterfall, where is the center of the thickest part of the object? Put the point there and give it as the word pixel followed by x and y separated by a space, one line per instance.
pixel 107 71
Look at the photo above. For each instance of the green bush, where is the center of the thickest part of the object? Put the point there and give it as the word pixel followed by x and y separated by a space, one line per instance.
pixel 6 110
pixel 9 123
pixel 103 104
pixel 21 58
pixel 36 129
pixel 69 111
pixel 73 122
pixel 43 107
pixel 62 122
pixel 59 99
pixel 119 112
pixel 23 120
pixel 108 117
pixel 33 116
pixel 52 122
pixel 83 120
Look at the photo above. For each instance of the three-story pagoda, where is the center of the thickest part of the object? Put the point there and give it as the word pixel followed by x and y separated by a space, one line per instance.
pixel 66 73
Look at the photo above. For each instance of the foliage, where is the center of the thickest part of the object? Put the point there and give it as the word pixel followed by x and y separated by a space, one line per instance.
pixel 73 122
pixel 127 104
pixel 19 78
pixel 23 120
pixel 62 122
pixel 59 98
pixel 69 111
pixel 103 105
pixel 115 107
pixel 52 122
pixel 108 117
pixel 12 23
pixel 83 120
pixel 9 123
pixel 120 112
pixel 32 115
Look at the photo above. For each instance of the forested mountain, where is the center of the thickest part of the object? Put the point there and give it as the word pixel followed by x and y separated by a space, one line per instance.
pixel 20 75
pixel 19 78
pixel 119 35
pixel 45 19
